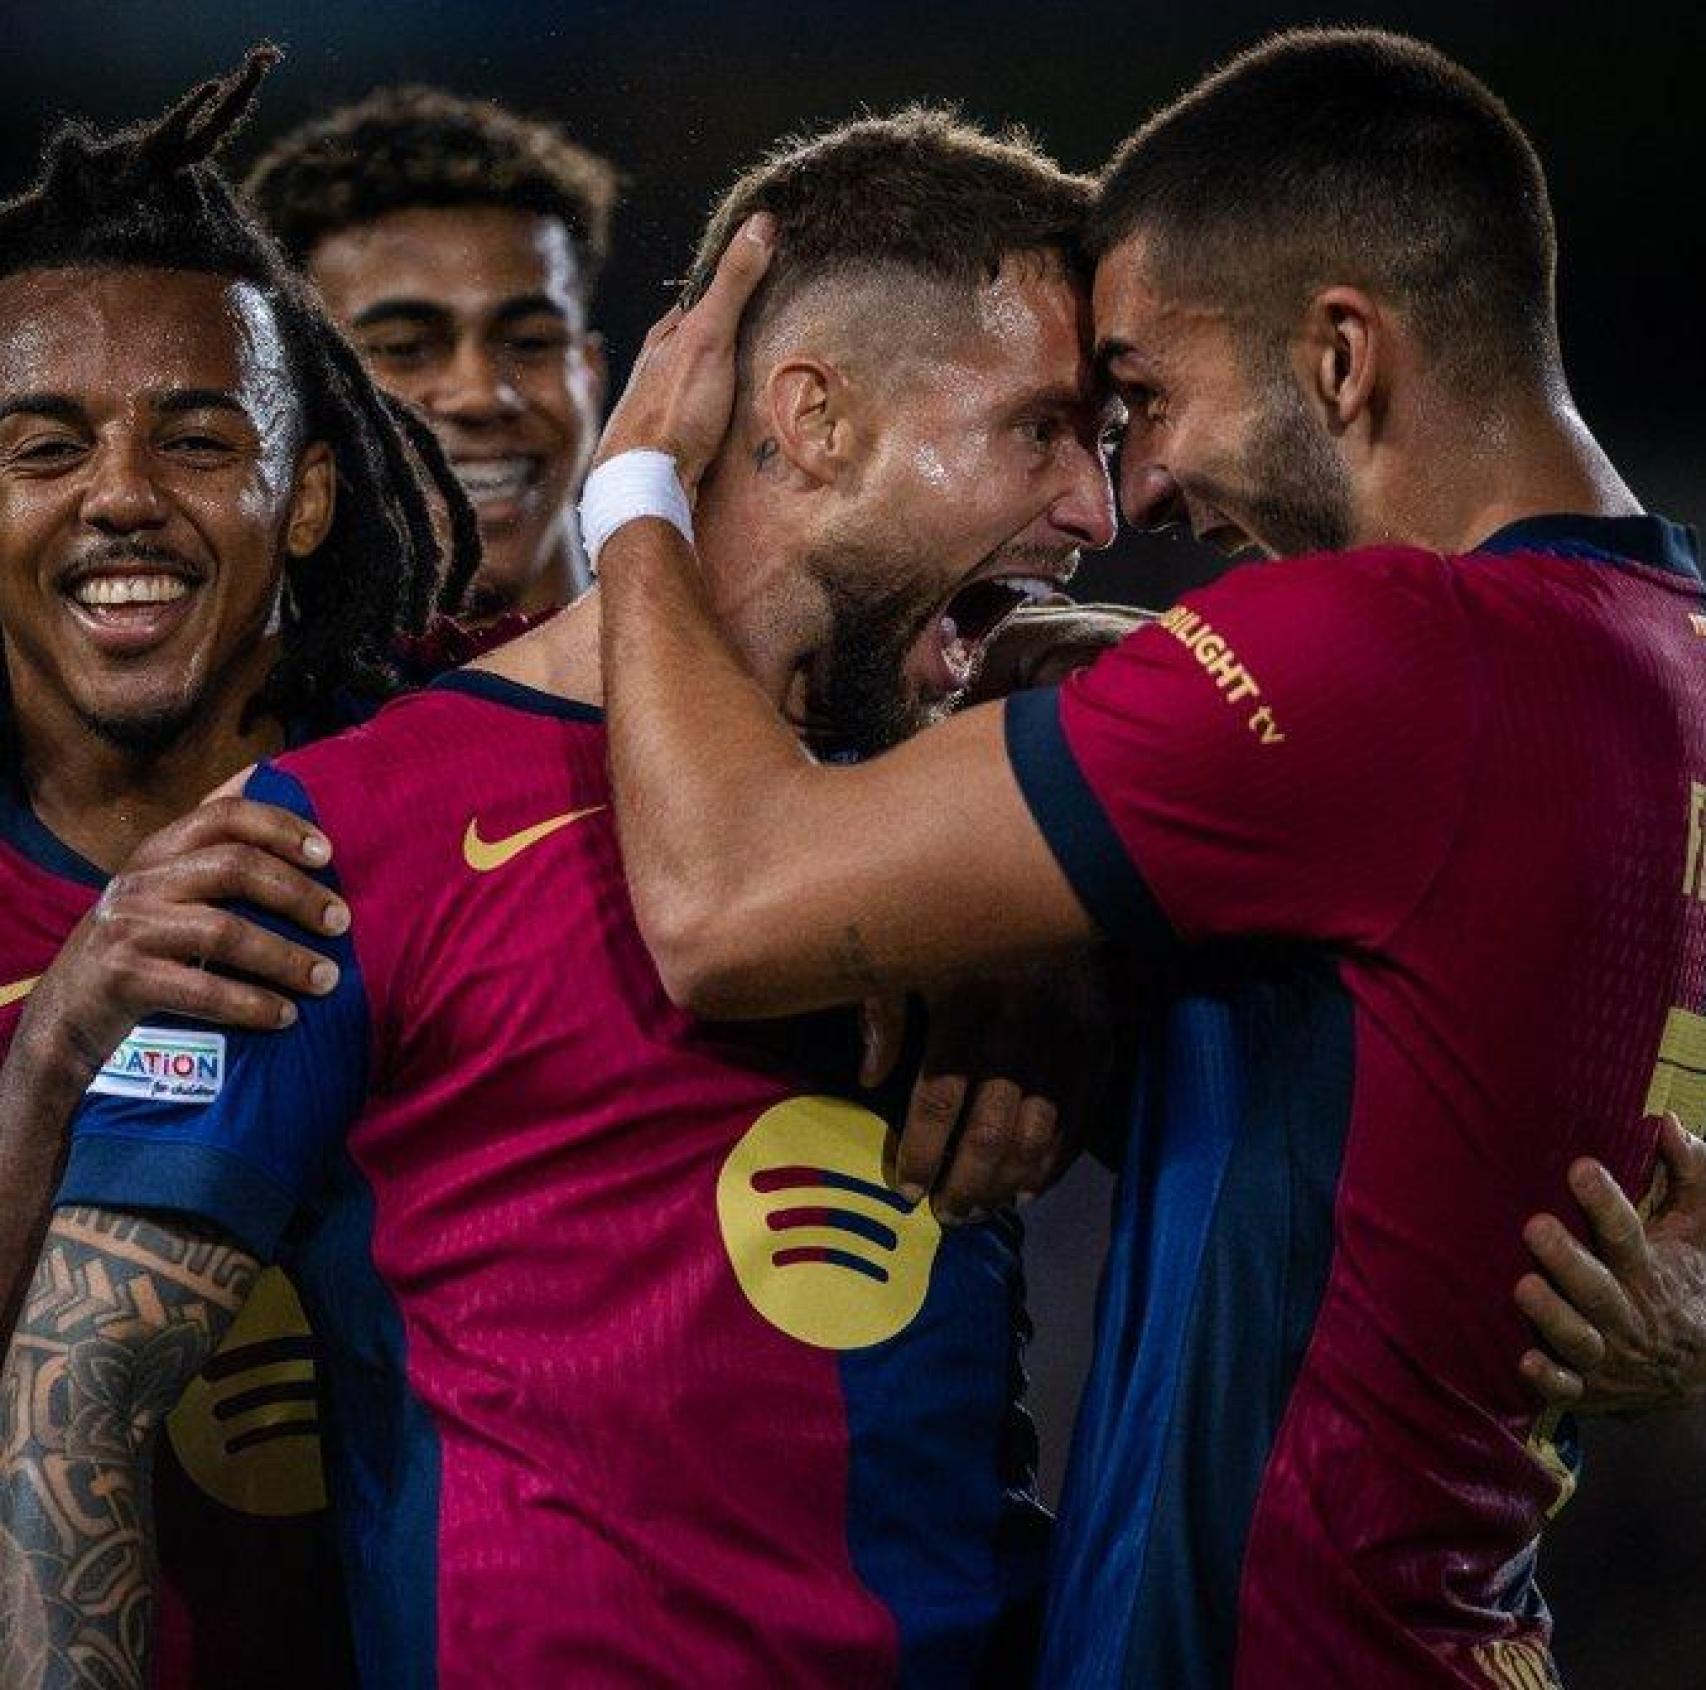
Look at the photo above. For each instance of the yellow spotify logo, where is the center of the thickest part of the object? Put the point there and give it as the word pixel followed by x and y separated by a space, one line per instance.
pixel 248 1428
pixel 821 1246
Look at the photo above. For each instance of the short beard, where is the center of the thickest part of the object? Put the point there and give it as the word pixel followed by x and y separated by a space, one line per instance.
pixel 1300 496
pixel 143 738
pixel 858 699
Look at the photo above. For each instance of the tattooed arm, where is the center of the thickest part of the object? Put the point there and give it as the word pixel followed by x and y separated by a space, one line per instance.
pixel 122 1313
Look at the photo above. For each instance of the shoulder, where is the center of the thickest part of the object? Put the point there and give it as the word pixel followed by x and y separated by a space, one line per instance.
pixel 1325 601
pixel 1378 628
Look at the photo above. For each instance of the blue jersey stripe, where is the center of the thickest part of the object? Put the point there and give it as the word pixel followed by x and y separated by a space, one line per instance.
pixel 382 1448
pixel 1221 1250
pixel 942 1518
pixel 1089 851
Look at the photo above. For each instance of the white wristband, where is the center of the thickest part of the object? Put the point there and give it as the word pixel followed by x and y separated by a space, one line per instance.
pixel 629 486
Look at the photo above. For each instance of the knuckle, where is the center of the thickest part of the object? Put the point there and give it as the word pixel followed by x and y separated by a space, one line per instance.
pixel 986 1136
pixel 937 1102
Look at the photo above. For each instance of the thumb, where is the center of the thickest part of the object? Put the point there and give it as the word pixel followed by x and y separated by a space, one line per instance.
pixel 882 1029
pixel 1684 1159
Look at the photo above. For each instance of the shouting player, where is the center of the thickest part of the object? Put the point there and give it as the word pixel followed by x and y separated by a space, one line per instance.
pixel 458 247
pixel 640 1368
pixel 1414 827
pixel 209 530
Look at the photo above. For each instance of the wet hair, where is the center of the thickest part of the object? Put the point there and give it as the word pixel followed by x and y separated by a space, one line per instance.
pixel 149 197
pixel 921 193
pixel 1351 156
pixel 404 148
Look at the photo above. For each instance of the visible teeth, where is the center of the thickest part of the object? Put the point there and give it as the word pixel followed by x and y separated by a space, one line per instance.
pixel 956 651
pixel 1036 589
pixel 104 590
pixel 495 479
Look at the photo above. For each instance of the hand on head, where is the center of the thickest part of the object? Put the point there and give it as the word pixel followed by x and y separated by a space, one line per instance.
pixel 680 395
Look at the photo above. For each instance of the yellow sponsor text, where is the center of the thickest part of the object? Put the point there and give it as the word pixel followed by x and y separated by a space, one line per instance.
pixel 1221 663
pixel 1679 1079
pixel 1694 859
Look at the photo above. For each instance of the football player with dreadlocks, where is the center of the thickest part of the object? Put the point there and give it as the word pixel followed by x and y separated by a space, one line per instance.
pixel 212 527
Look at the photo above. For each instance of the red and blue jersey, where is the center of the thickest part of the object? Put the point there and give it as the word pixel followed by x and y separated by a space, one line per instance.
pixel 1432 831
pixel 639 1371
pixel 250 1590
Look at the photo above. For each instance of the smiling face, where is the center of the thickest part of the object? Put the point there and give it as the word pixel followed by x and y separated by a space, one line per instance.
pixel 153 480
pixel 1220 437
pixel 474 314
pixel 984 479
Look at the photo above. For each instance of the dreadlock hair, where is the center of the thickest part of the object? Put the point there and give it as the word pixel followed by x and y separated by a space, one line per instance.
pixel 149 197
pixel 400 149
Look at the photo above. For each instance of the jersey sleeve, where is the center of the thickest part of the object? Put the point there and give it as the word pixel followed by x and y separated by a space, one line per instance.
pixel 228 1126
pixel 1285 755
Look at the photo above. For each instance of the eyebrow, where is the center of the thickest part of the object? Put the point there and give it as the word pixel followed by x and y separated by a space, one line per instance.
pixel 398 311
pixel 428 315
pixel 529 305
pixel 55 405
pixel 182 399
pixel 1057 398
pixel 1109 353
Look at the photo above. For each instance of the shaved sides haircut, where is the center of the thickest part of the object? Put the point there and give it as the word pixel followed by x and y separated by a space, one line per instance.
pixel 1358 157
pixel 919 196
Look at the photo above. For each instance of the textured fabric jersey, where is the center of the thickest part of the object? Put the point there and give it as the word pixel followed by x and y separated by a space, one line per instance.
pixel 1431 829
pixel 249 1587
pixel 640 1374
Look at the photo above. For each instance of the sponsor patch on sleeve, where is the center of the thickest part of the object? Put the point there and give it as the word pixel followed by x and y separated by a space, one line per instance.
pixel 165 1065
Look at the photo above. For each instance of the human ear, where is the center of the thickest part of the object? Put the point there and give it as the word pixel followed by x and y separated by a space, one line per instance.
pixel 312 500
pixel 1349 341
pixel 805 413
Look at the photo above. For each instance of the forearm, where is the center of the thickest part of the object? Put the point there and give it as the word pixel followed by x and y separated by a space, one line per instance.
pixel 698 812
pixel 40 1086
pixel 122 1312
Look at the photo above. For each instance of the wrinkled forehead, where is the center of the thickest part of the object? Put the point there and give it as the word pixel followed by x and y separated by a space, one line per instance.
pixel 105 336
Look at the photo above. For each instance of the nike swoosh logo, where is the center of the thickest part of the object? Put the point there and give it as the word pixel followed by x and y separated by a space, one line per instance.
pixel 17 989
pixel 482 856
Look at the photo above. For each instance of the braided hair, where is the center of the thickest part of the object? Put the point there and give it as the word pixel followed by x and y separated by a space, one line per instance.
pixel 150 197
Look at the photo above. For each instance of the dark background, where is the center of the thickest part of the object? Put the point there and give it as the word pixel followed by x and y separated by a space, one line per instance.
pixel 682 96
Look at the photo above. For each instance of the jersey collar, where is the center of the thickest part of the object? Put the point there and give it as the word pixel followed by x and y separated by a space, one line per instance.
pixel 500 689
pixel 37 843
pixel 1655 541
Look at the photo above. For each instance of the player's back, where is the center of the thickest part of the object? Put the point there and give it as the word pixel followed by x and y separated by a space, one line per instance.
pixel 639 1368
pixel 1367 1107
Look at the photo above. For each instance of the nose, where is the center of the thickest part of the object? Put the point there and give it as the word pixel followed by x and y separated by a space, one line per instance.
pixel 1085 509
pixel 1149 496
pixel 473 386
pixel 120 496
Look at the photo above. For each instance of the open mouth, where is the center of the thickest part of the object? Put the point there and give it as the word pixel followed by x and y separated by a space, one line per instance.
pixel 975 612
pixel 494 483
pixel 109 592
pixel 130 610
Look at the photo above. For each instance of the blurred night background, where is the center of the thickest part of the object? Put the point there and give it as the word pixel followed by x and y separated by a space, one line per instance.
pixel 681 96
